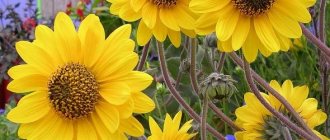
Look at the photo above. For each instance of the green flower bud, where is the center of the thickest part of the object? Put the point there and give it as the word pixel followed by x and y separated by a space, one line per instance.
pixel 211 40
pixel 218 86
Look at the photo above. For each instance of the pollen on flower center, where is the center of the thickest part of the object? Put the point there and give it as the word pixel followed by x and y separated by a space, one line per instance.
pixel 164 3
pixel 73 91
pixel 253 7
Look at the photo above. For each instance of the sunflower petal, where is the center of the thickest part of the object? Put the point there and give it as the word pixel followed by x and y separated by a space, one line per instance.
pixel 31 107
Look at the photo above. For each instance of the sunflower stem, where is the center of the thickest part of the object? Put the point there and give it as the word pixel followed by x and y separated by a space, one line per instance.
pixel 226 111
pixel 193 76
pixel 176 94
pixel 280 116
pixel 324 64
pixel 271 90
pixel 195 88
pixel 204 117
pixel 322 46
pixel 221 62
pixel 143 58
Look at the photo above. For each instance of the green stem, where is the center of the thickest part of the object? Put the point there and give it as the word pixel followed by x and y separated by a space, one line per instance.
pixel 176 94
pixel 204 117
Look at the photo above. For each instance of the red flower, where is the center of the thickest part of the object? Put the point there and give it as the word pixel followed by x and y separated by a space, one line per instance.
pixel 29 24
pixel 68 8
pixel 80 13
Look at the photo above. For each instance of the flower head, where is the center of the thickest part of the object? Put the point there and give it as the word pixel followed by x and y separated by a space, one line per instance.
pixel 171 130
pixel 80 85
pixel 160 18
pixel 253 25
pixel 262 124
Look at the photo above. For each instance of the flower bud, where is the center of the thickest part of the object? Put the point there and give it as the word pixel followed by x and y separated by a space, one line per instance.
pixel 211 40
pixel 218 86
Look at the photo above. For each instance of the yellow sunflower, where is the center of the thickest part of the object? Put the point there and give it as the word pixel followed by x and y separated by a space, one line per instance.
pixel 80 85
pixel 171 130
pixel 160 18
pixel 264 25
pixel 259 123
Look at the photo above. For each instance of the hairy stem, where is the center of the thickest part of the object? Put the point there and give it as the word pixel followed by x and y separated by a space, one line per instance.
pixel 176 94
pixel 193 77
pixel 221 62
pixel 267 87
pixel 195 88
pixel 143 57
pixel 277 114
pixel 324 64
pixel 323 47
pixel 204 117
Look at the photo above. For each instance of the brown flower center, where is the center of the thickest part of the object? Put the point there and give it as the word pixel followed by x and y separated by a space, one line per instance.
pixel 253 7
pixel 164 3
pixel 73 91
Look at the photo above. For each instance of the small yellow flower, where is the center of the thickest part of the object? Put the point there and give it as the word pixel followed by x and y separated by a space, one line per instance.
pixel 81 85
pixel 171 130
pixel 259 123
pixel 253 25
pixel 160 18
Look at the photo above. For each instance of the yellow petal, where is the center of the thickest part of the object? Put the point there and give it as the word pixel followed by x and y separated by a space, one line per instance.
pixel 300 94
pixel 247 114
pixel 206 6
pixel 143 34
pixel 308 108
pixel 137 4
pixel 116 93
pixel 168 18
pixel 126 109
pixel 45 39
pixel 154 128
pixel 126 12
pixel 85 130
pixel 184 20
pixel 35 56
pixel 132 127
pixel 249 49
pixel 31 107
pixel 28 83
pixel 149 14
pixel 109 115
pixel 160 31
pixel 301 14
pixel 253 103
pixel 91 34
pixel 284 24
pixel 20 71
pixel 67 37
pixel 206 23
pixel 308 3
pixel 241 32
pixel 226 26
pixel 175 38
pixel 118 66
pixel 266 34
pixel 136 80
pixel 317 119
pixel 142 103
pixel 100 127
pixel 176 122
pixel 44 128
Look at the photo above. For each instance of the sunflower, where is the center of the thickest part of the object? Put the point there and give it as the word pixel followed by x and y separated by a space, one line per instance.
pixel 262 124
pixel 80 85
pixel 264 25
pixel 171 130
pixel 160 18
